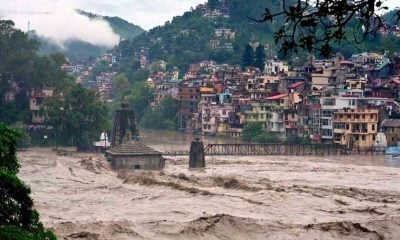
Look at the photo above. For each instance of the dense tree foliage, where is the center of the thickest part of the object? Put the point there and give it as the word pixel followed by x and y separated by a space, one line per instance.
pixel 248 56
pixel 18 219
pixel 162 116
pixel 259 61
pixel 22 70
pixel 254 132
pixel 139 97
pixel 186 39
pixel 8 149
pixel 77 115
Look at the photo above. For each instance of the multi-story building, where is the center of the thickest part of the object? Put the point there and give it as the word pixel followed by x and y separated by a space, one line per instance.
pixel 356 128
pixel 215 118
pixel 391 128
pixel 328 76
pixel 262 87
pixel 269 113
pixel 35 103
pixel 189 98
pixel 291 121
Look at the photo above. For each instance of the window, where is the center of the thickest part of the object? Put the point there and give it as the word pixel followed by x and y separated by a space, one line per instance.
pixel 337 137
pixel 373 138
pixel 373 127
pixel 363 138
pixel 329 102
pixel 326 113
pixel 137 166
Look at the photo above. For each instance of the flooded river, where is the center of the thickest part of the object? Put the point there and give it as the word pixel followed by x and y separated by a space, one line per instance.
pixel 266 197
pixel 178 141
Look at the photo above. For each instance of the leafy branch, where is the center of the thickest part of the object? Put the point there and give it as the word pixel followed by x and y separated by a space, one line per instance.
pixel 314 25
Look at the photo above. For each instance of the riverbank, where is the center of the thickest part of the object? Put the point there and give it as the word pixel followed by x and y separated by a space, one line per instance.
pixel 80 197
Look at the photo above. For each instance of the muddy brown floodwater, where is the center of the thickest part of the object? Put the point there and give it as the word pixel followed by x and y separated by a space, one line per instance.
pixel 80 197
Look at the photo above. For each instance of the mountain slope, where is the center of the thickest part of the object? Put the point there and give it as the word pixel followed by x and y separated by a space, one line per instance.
pixel 199 34
pixel 76 50
pixel 196 36
pixel 123 28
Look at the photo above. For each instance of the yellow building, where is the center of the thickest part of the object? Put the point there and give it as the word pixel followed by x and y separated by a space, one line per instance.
pixel 356 128
pixel 269 113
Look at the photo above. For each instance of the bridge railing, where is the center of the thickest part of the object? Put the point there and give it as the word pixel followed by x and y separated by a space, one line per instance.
pixel 247 149
pixel 274 149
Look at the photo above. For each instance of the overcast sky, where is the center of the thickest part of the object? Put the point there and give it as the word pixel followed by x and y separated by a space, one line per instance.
pixel 61 22
pixel 145 13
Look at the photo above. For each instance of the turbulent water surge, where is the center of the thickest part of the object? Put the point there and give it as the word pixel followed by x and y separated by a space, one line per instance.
pixel 80 197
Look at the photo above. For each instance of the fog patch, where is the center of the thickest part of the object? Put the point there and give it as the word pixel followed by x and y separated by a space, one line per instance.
pixel 62 25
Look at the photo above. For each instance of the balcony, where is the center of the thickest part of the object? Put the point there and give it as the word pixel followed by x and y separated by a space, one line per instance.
pixel 338 130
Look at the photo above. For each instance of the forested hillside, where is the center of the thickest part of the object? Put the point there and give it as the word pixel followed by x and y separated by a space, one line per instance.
pixel 196 35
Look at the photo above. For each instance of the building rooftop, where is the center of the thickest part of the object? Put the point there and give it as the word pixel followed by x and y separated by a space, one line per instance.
pixel 132 148
pixel 391 123
pixel 295 85
pixel 279 96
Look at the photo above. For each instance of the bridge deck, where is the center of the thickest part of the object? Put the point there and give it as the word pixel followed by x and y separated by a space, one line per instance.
pixel 249 149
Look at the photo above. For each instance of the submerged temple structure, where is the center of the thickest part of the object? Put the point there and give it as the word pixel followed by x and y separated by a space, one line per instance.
pixel 125 127
pixel 126 151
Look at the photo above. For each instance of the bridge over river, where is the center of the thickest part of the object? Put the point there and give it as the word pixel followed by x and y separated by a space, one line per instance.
pixel 273 149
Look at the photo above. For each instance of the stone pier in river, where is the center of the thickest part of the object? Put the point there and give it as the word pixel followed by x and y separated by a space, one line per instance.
pixel 197 156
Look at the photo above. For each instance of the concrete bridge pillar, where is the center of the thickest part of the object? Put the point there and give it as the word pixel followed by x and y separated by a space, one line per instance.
pixel 197 156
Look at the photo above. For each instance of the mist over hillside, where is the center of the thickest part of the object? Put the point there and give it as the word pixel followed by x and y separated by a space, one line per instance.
pixel 77 47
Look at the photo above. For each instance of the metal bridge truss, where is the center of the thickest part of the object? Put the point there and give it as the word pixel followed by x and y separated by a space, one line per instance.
pixel 271 149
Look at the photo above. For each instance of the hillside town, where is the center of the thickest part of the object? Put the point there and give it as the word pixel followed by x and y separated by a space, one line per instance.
pixel 343 101
pixel 340 101
pixel 332 101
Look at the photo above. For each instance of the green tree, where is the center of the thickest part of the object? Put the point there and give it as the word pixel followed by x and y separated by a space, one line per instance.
pixel 248 56
pixel 266 137
pixel 120 85
pixel 78 115
pixel 8 148
pixel 18 219
pixel 22 69
pixel 139 98
pixel 260 57
pixel 251 130
pixel 163 116
pixel 18 55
